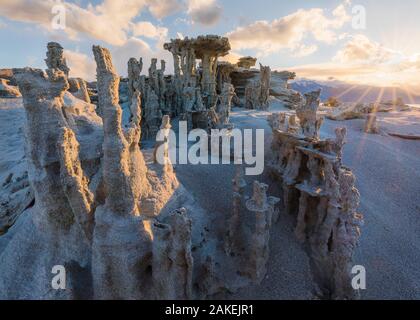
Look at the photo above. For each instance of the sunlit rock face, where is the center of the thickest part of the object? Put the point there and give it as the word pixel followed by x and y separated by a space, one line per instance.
pixel 251 87
pixel 320 192
pixel 196 92
pixel 118 221
pixel 348 111
pixel 247 62
pixel 8 91
pixel 55 58
pixel 88 198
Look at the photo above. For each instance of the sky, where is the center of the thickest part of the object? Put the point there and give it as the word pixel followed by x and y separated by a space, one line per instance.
pixel 361 42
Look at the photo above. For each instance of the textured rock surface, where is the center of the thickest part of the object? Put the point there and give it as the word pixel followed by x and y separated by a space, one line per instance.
pixel 199 95
pixel 320 192
pixel 348 111
pixel 8 91
pixel 121 224
pixel 78 87
pixel 247 62
pixel 307 114
pixel 225 103
pixel 55 58
pixel 88 205
pixel 371 124
pixel 265 79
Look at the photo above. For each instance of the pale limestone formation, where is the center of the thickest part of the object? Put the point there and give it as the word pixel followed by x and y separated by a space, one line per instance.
pixel 208 49
pixel 224 69
pixel 174 262
pixel 265 78
pixel 55 58
pixel 78 87
pixel 91 195
pixel 234 222
pixel 285 76
pixel 250 243
pixel 320 192
pixel 134 76
pixel 8 91
pixel 348 111
pixel 150 88
pixel 184 70
pixel 164 103
pixel 307 114
pixel 164 129
pixel 153 76
pixel 104 210
pixel 16 197
pixel 194 91
pixel 223 109
pixel 257 92
pixel 252 95
pixel 247 62
pixel 371 124
pixel 152 115
pixel 280 89
pixel 265 215
pixel 185 52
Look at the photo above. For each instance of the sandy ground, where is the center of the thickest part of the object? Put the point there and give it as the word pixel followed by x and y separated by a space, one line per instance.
pixel 12 117
pixel 388 178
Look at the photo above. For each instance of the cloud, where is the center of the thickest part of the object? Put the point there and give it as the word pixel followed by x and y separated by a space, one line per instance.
pixel 290 31
pixel 304 50
pixel 81 65
pixel 148 30
pixel 108 21
pixel 360 49
pixel 362 61
pixel 206 12
pixel 137 48
pixel 232 57
pixel 163 8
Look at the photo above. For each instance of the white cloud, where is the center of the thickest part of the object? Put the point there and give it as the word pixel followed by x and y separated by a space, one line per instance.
pixel 304 50
pixel 163 8
pixel 362 61
pixel 81 65
pixel 137 48
pixel 360 49
pixel 109 21
pixel 148 30
pixel 232 57
pixel 206 12
pixel 289 32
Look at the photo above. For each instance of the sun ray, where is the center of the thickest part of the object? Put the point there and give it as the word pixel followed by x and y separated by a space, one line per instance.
pixel 394 98
pixel 378 100
pixel 409 94
pixel 364 94
pixel 362 142
pixel 347 91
